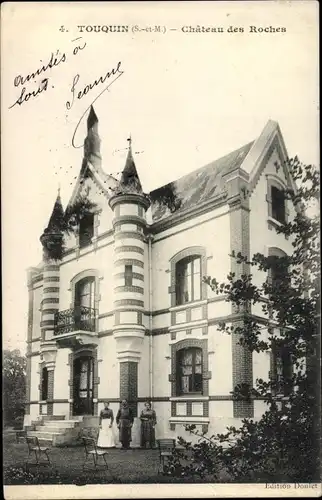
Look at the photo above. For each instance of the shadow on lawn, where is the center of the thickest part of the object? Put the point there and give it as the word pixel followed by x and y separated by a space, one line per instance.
pixel 125 467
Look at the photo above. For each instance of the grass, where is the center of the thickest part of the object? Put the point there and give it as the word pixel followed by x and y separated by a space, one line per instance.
pixel 131 466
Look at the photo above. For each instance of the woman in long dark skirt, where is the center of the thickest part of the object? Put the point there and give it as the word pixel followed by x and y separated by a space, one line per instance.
pixel 148 422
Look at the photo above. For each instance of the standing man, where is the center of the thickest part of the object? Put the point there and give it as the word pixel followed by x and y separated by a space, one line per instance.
pixel 124 421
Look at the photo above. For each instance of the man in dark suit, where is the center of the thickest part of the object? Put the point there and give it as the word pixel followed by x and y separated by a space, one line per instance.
pixel 124 422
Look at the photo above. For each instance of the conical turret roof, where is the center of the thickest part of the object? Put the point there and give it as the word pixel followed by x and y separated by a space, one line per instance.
pixel 55 223
pixel 130 181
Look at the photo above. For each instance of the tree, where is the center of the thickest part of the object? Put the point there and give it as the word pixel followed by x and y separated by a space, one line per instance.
pixel 284 444
pixel 14 385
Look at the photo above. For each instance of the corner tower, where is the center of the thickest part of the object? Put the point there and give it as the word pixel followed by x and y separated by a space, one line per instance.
pixel 52 242
pixel 129 205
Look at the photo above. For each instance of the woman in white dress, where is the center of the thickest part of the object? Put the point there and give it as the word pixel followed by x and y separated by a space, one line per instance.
pixel 106 437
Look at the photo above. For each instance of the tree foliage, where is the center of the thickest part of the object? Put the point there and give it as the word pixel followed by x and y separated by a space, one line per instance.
pixel 64 223
pixel 14 385
pixel 284 444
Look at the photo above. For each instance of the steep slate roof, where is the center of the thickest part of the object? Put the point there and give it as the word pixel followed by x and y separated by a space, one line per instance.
pixel 196 187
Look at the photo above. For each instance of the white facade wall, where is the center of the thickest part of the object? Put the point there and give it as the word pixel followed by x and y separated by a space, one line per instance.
pixel 211 231
pixel 36 316
pixel 213 235
pixel 108 369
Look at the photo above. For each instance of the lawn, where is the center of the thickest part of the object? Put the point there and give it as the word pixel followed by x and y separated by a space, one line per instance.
pixel 131 466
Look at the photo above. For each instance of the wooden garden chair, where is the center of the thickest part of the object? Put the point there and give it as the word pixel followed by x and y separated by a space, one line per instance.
pixel 92 451
pixel 38 451
pixel 166 448
pixel 21 435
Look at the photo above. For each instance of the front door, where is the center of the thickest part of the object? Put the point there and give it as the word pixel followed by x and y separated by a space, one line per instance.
pixel 83 386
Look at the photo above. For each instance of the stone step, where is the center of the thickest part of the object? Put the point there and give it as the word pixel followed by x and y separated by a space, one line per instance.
pixel 52 417
pixel 61 423
pixel 52 428
pixel 44 435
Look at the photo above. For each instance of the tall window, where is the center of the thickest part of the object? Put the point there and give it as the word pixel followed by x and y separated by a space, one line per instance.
pixel 44 384
pixel 128 275
pixel 84 311
pixel 282 370
pixel 278 273
pixel 84 292
pixel 189 370
pixel 86 230
pixel 188 280
pixel 278 204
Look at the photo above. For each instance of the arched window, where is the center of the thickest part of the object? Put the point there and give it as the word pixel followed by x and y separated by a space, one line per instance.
pixel 44 384
pixel 278 268
pixel 188 279
pixel 189 370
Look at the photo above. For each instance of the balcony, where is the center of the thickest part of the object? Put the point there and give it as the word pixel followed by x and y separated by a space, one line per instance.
pixel 77 326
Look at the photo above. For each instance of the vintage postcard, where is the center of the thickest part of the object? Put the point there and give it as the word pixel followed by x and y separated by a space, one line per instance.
pixel 161 258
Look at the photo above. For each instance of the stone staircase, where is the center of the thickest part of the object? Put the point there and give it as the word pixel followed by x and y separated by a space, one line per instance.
pixel 55 430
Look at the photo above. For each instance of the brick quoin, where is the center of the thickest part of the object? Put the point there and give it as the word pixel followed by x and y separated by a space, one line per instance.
pixel 242 359
pixel 50 395
pixel 129 383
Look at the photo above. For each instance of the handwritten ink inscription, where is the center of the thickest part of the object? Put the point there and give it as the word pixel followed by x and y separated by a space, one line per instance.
pixel 55 60
pixel 115 72
pixel 89 87
pixel 77 89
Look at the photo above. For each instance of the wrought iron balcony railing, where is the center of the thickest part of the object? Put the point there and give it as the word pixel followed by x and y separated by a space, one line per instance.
pixel 76 319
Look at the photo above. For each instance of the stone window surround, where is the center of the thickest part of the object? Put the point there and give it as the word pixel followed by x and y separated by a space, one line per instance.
pixel 187 252
pixel 87 273
pixel 203 421
pixel 206 375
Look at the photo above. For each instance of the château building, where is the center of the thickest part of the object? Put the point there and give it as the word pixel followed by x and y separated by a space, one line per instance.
pixel 121 310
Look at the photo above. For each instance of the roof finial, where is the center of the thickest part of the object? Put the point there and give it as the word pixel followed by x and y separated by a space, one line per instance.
pixel 58 192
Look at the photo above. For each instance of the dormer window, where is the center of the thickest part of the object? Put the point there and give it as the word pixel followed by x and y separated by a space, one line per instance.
pixel 86 230
pixel 278 204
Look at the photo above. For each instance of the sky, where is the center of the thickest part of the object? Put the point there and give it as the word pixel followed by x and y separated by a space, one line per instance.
pixel 185 98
